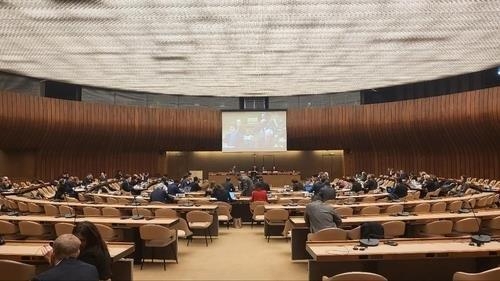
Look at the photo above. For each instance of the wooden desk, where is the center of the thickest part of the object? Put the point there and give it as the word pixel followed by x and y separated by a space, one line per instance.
pixel 272 179
pixel 415 259
pixel 31 252
pixel 300 229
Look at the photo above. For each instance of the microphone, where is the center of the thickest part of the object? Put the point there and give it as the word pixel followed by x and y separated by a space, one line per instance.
pixel 70 214
pixel 2 241
pixel 479 238
pixel 137 216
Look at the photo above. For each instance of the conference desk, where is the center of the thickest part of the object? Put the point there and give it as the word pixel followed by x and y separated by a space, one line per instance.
pixel 411 259
pixel 300 229
pixel 31 252
pixel 273 179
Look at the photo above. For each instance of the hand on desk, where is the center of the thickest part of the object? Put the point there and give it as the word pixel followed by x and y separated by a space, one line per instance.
pixel 48 254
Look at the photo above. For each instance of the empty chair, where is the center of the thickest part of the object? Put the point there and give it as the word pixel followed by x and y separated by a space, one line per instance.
pixel 183 230
pixel 123 201
pixel 107 232
pixel 9 230
pixel 66 210
pixel 454 206
pixel 488 275
pixel 275 220
pixel 356 276
pixel 200 220
pixel 51 210
pixel 99 200
pixel 157 236
pixel 328 234
pixel 354 234
pixel 166 213
pixel 437 228
pixel 344 211
pixel 258 214
pixel 394 209
pixel 111 212
pixel 422 208
pixel 466 226
pixel 469 204
pixel 64 228
pixel 23 207
pixel 71 199
pixel 81 197
pixel 393 229
pixel 368 199
pixel 284 201
pixel 370 210
pixel 112 200
pixel 434 193
pixel 16 271
pixel 494 226
pixel 34 230
pixel 224 213
pixel 304 201
pixel 142 212
pixel 439 207
pixel 480 203
pixel 91 212
pixel 34 208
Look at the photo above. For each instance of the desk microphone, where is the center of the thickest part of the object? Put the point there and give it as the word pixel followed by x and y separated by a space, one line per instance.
pixel 137 216
pixel 71 214
pixel 2 241
pixel 478 239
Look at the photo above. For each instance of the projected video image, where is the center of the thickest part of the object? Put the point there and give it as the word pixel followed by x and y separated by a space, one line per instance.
pixel 254 131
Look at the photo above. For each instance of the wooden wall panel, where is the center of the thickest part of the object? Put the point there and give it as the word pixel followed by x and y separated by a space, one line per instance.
pixel 447 135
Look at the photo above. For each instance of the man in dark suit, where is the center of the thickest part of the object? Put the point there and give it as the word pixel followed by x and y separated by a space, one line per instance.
pixel 66 265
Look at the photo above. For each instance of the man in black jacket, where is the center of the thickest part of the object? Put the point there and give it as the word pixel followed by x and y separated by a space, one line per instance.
pixel 66 265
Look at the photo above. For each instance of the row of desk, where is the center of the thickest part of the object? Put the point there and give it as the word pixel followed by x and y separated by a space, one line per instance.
pixel 411 259
pixel 31 252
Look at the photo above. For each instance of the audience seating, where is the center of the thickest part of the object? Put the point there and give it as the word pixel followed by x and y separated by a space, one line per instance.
pixel 200 220
pixel 157 236
pixel 370 210
pixel 34 230
pixel 166 213
pixel 394 209
pixel 344 211
pixel 439 207
pixel 328 234
pixel 51 210
pixel 66 210
pixel 393 229
pixel 63 228
pixel 107 232
pixel 91 212
pixel 438 228
pixel 9 230
pixel 488 275
pixel 111 212
pixel 16 271
pixel 422 208
pixel 34 208
pixel 142 212
pixel 494 226
pixel 275 220
pixel 355 276
pixel 466 226
pixel 224 212
pixel 258 214
pixel 454 206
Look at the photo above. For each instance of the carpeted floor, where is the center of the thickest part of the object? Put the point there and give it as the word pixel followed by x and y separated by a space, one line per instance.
pixel 237 254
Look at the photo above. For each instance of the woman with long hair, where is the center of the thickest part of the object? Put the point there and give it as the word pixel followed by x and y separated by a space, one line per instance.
pixel 93 249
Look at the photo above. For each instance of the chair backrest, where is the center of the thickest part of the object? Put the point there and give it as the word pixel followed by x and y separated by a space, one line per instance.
pixel 469 204
pixel 368 199
pixel 344 211
pixel 422 208
pixel 438 207
pixel 142 212
pixel 254 204
pixel 304 201
pixel 112 200
pixel 394 229
pixel 259 210
pixel 107 233
pixel 123 201
pixel 276 215
pixel 166 213
pixel 23 207
pixel 284 201
pixel 488 275
pixel 455 206
pixel 154 232
pixel 63 210
pixel 91 211
pixel 494 223
pixel 63 228
pixel 224 210
pixel 356 276
pixel 198 216
pixel 51 210
pixel 480 203
pixel 8 228
pixel 440 227
pixel 394 209
pixel 111 212
pixel 220 203
pixel 370 210
pixel 16 271
pixel 99 200
pixel 71 199
pixel 467 225
pixel 31 228
pixel 328 234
